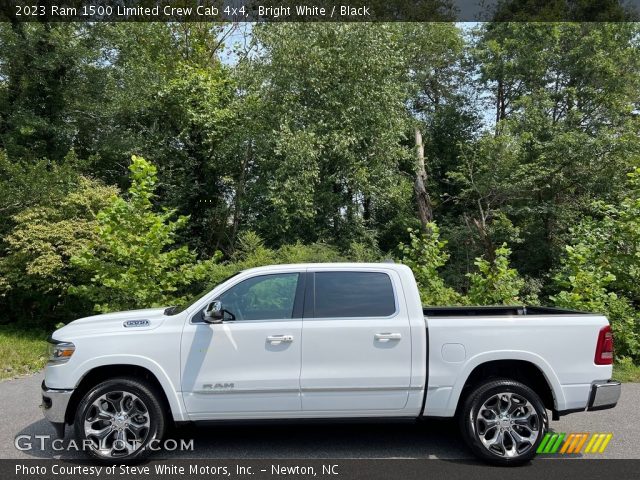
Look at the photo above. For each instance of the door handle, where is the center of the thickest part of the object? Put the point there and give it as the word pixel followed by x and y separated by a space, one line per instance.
pixel 278 339
pixel 386 337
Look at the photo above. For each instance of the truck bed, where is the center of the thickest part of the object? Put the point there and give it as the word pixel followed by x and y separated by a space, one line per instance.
pixel 499 310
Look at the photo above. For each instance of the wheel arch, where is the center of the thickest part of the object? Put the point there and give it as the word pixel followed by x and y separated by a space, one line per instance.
pixel 101 373
pixel 522 367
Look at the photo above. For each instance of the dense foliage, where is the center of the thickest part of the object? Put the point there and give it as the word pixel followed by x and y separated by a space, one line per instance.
pixel 131 262
pixel 500 161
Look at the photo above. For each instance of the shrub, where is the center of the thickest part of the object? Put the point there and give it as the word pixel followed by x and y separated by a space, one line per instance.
pixel 600 270
pixel 584 285
pixel 250 252
pixel 37 270
pixel 495 283
pixel 425 255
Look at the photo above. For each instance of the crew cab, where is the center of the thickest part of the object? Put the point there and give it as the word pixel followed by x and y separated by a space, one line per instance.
pixel 330 341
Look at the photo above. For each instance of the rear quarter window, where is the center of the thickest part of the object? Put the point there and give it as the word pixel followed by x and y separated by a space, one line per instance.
pixel 353 294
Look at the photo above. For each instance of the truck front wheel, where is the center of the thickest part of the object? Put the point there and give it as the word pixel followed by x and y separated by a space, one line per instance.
pixel 119 419
pixel 503 422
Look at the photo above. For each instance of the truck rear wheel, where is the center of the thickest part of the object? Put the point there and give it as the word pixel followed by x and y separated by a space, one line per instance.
pixel 118 420
pixel 503 422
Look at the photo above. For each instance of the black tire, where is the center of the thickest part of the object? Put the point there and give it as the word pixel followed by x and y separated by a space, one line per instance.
pixel 478 425
pixel 147 419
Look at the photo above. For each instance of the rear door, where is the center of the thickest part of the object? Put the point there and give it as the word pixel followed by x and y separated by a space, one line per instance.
pixel 356 344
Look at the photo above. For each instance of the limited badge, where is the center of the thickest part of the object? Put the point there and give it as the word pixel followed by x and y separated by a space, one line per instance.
pixel 136 323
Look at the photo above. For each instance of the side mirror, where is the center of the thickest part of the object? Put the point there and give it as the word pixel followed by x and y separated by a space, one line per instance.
pixel 214 313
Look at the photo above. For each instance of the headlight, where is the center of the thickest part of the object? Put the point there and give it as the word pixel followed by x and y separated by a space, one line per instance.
pixel 60 352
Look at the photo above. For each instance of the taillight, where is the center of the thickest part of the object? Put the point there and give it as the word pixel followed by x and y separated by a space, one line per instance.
pixel 604 348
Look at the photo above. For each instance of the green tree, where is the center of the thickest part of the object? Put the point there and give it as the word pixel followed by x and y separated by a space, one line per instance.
pixel 440 106
pixel 166 96
pixel 564 121
pixel 45 77
pixel 326 163
pixel 134 263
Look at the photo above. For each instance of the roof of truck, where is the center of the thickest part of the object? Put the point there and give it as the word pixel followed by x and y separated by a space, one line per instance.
pixel 337 265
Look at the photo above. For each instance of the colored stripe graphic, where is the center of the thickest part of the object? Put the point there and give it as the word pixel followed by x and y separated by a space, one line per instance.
pixel 599 437
pixel 590 444
pixel 599 443
pixel 550 443
pixel 606 441
pixel 573 443
pixel 569 443
pixel 581 443
pixel 543 443
pixel 556 445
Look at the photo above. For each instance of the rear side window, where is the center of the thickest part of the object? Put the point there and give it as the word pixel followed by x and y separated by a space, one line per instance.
pixel 353 294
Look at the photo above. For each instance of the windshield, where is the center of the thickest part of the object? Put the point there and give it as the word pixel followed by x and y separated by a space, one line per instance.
pixel 175 309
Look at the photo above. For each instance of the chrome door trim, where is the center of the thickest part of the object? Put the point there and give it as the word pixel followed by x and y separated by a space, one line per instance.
pixel 359 389
pixel 245 390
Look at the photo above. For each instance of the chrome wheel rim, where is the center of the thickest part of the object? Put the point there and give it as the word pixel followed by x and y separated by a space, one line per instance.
pixel 117 424
pixel 507 425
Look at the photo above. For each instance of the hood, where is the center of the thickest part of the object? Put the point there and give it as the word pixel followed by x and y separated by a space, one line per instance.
pixel 133 320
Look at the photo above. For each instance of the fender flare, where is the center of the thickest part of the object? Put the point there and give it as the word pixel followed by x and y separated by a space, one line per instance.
pixel 506 355
pixel 176 404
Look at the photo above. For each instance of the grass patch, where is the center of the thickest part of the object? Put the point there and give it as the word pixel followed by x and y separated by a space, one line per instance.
pixel 625 371
pixel 22 351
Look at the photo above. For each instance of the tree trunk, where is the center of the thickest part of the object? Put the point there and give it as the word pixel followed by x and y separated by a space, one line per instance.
pixel 425 210
pixel 501 105
pixel 486 241
pixel 240 189
pixel 366 207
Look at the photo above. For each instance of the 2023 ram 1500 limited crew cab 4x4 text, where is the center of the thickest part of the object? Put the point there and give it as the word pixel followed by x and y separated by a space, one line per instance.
pixel 326 341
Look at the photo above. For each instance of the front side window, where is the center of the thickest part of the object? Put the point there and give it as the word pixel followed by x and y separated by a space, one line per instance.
pixel 265 297
pixel 353 294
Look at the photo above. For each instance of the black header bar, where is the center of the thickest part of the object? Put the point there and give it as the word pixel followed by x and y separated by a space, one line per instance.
pixel 17 11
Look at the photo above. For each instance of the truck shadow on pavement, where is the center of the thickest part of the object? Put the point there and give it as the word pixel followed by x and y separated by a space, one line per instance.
pixel 424 439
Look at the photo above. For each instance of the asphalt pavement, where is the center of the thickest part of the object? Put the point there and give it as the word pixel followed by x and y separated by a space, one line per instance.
pixel 21 417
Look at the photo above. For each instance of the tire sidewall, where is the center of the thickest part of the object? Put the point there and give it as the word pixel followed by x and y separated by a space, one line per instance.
pixel 149 397
pixel 472 407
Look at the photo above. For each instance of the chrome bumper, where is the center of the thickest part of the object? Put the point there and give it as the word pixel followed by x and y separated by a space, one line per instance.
pixel 604 395
pixel 54 403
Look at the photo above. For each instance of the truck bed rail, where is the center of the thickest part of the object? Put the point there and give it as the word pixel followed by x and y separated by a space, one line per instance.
pixel 504 310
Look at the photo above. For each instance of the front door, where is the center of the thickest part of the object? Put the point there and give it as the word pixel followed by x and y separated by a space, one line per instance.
pixel 248 365
pixel 356 342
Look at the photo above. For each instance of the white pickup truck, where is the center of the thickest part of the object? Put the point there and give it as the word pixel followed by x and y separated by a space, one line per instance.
pixel 326 341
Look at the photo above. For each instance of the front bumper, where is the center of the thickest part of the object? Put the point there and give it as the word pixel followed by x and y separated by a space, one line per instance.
pixel 54 405
pixel 604 395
